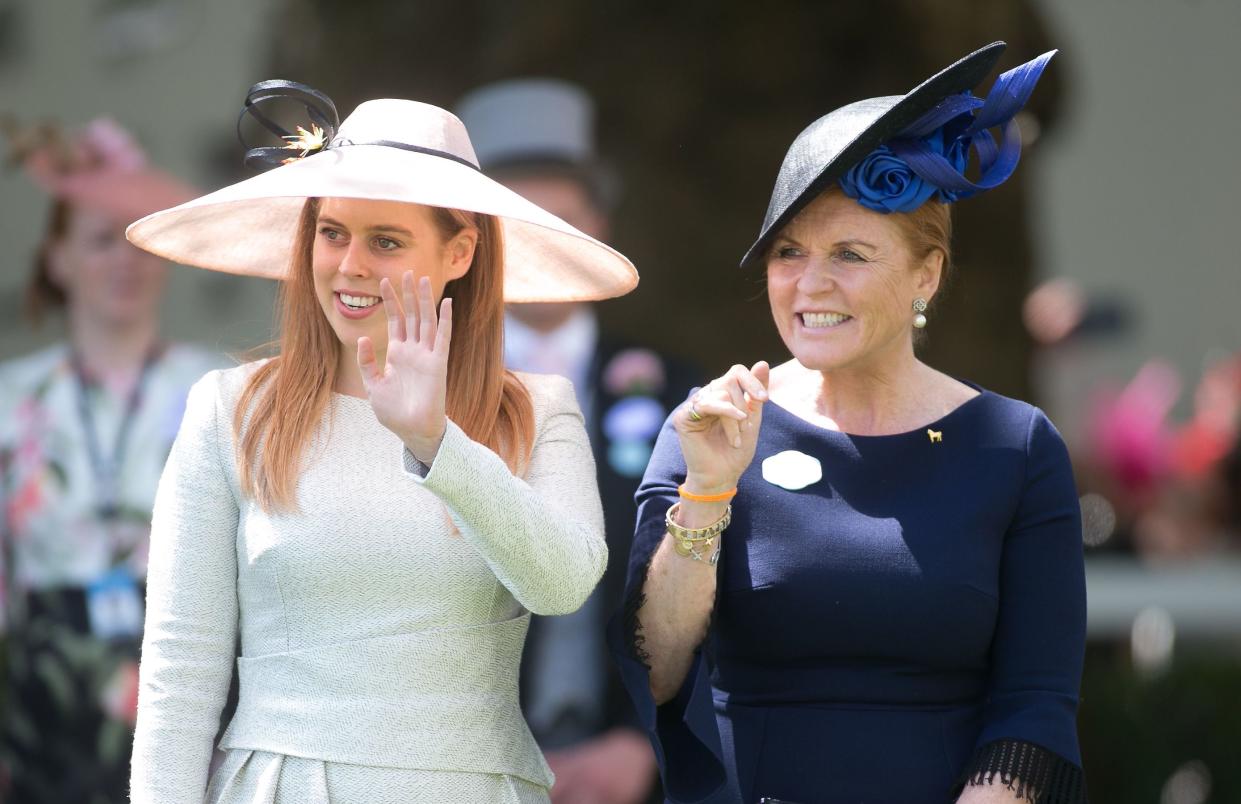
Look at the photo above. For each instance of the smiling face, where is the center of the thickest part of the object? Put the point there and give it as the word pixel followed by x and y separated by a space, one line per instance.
pixel 359 242
pixel 842 280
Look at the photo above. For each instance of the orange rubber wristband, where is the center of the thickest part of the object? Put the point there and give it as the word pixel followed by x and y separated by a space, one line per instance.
pixel 706 498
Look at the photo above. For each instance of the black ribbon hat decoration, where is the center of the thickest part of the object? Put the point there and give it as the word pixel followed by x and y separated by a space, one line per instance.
pixel 321 136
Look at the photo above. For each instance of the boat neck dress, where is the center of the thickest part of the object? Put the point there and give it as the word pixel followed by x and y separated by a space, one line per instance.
pixel 913 618
pixel 381 624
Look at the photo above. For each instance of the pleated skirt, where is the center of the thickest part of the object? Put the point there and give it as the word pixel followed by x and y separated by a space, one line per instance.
pixel 259 777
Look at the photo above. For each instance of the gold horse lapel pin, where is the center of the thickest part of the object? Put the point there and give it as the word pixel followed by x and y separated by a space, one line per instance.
pixel 936 436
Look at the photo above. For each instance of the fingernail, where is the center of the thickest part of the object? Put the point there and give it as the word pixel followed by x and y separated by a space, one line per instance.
pixel 737 442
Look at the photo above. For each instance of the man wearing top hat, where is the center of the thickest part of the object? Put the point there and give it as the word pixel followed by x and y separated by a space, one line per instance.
pixel 537 137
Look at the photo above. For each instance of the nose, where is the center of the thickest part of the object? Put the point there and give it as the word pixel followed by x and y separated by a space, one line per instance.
pixel 354 263
pixel 817 278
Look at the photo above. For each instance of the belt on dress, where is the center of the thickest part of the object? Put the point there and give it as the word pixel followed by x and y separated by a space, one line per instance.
pixel 440 699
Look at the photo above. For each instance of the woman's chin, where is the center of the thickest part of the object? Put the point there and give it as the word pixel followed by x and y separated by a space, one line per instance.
pixel 824 357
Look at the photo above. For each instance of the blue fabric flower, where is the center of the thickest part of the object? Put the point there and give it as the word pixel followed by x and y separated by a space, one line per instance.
pixel 886 183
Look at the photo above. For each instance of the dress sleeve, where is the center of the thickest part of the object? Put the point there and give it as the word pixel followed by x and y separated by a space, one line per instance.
pixel 542 535
pixel 1029 736
pixel 189 641
pixel 683 731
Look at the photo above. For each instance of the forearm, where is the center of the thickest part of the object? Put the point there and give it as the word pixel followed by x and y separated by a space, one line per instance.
pixel 543 538
pixel 679 597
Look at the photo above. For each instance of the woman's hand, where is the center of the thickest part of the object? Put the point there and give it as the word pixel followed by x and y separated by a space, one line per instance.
pixel 408 393
pixel 719 428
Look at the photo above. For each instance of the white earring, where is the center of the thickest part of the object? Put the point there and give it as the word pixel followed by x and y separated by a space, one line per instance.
pixel 919 309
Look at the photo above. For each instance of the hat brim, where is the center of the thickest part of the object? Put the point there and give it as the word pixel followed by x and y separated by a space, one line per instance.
pixel 248 228
pixel 809 176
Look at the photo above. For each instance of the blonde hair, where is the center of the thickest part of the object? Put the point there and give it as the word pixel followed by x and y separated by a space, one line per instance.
pixel 283 400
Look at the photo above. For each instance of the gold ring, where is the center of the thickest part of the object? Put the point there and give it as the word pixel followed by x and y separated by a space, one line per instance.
pixel 694 415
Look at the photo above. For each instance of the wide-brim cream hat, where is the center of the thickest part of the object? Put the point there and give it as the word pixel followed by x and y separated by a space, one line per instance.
pixel 387 150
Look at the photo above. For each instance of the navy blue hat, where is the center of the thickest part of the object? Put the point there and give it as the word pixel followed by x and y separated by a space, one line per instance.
pixel 892 154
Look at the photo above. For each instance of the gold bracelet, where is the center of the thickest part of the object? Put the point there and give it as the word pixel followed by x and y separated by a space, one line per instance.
pixel 686 540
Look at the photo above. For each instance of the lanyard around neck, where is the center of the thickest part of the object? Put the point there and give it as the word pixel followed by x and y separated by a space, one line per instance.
pixel 106 470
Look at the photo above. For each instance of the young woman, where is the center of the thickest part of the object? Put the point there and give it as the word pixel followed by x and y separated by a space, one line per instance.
pixel 377 510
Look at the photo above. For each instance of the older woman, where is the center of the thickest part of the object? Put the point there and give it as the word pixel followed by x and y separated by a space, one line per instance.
pixel 377 510
pixel 856 578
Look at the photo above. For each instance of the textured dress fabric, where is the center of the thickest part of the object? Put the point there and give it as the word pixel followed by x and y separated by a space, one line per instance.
pixel 912 620
pixel 381 623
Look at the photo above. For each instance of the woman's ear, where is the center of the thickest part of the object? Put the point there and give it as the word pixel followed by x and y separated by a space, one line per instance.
pixel 459 253
pixel 929 274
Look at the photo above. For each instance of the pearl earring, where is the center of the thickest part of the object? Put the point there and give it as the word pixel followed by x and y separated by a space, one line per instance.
pixel 919 309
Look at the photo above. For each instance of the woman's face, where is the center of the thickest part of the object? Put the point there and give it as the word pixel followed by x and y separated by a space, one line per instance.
pixel 842 280
pixel 359 242
pixel 103 275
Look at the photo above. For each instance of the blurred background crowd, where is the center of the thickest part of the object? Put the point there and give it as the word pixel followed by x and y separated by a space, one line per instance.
pixel 1101 283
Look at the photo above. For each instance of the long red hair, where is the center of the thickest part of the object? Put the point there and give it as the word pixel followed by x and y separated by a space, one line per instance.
pixel 285 398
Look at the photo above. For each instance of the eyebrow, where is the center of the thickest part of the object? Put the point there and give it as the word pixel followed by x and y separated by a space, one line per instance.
pixel 380 228
pixel 856 243
pixel 784 238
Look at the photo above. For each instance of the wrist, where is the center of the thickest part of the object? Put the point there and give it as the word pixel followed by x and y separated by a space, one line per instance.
pixel 707 486
pixel 425 448
pixel 692 514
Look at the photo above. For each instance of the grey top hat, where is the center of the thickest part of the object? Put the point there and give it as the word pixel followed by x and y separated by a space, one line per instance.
pixel 530 121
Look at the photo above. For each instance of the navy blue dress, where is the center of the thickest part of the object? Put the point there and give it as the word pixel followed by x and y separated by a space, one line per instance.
pixel 913 620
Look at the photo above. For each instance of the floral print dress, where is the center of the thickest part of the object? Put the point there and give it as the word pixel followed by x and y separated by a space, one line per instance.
pixel 72 567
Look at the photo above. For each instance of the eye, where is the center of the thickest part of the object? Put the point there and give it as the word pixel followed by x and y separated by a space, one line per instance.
pixel 788 252
pixel 386 244
pixel 849 255
pixel 331 235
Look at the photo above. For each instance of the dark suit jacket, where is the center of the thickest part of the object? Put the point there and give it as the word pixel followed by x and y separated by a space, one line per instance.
pixel 625 419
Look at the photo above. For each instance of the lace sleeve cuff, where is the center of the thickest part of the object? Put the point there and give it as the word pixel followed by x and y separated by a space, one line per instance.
pixel 1033 773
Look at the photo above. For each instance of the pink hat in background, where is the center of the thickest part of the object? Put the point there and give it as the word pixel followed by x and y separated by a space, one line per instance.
pixel 103 168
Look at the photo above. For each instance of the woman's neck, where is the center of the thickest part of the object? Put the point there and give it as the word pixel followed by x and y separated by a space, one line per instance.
pixel 348 376
pixel 112 354
pixel 894 395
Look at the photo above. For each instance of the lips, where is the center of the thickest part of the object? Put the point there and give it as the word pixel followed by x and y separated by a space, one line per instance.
pixel 816 320
pixel 355 306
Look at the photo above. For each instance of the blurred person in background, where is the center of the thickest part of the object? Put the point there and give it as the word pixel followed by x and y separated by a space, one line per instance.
pixel 536 136
pixel 854 577
pixel 1168 481
pixel 85 428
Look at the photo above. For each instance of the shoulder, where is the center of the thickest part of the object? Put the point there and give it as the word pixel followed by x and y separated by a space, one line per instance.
pixel 218 390
pixel 231 382
pixel 21 374
pixel 549 394
pixel 1013 423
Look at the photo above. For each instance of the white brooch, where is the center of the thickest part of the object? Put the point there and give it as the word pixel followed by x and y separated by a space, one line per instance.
pixel 792 470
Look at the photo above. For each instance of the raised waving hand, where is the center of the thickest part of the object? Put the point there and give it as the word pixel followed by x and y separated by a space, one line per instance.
pixel 408 393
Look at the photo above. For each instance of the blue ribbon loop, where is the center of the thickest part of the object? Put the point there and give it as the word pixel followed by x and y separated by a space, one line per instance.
pixel 995 162
pixel 960 123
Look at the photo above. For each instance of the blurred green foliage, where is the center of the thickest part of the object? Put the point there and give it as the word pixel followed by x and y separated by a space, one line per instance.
pixel 1137 728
